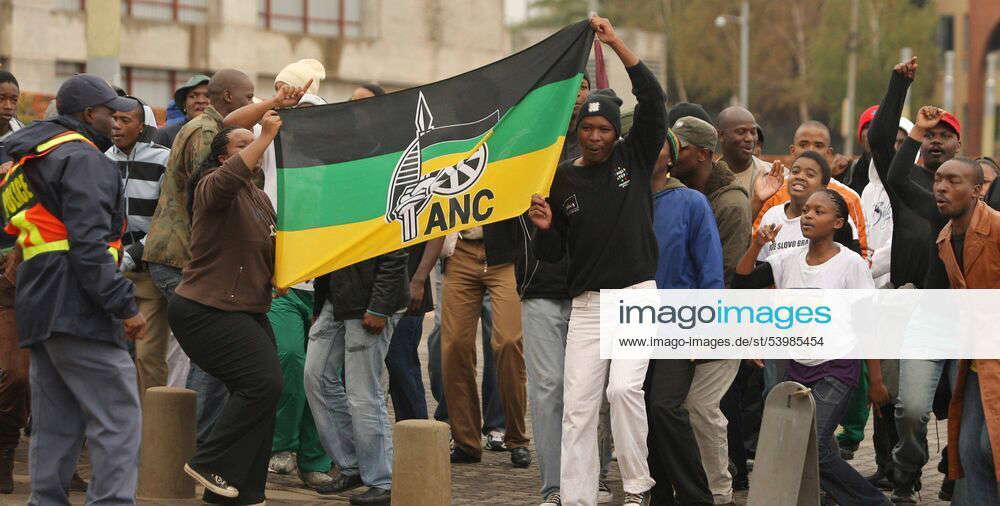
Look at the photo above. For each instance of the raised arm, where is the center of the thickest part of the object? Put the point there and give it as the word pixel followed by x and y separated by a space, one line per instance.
pixel 649 126
pixel 882 132
pixel 250 114
pixel 899 181
pixel 216 190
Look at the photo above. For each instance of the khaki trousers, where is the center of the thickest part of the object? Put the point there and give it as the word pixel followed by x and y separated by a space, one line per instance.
pixel 151 350
pixel 466 280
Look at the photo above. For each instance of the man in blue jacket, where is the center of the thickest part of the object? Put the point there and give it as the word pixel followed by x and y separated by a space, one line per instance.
pixel 63 199
pixel 686 234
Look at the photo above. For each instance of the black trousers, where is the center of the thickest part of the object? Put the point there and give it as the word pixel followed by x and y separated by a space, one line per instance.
pixel 238 349
pixel 885 437
pixel 674 460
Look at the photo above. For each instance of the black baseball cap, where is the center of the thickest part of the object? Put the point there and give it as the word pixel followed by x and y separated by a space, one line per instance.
pixel 87 90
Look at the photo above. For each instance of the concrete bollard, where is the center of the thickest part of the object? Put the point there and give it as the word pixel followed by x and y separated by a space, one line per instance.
pixel 168 441
pixel 421 469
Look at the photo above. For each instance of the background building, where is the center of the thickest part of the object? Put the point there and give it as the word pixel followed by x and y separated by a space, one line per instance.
pixel 970 31
pixel 395 43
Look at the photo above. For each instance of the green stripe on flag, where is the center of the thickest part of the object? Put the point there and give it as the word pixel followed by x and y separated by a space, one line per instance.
pixel 361 186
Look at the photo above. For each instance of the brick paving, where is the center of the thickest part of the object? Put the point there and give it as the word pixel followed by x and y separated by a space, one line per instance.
pixel 494 481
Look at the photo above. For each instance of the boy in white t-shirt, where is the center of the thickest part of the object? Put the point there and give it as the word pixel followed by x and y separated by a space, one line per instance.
pixel 809 173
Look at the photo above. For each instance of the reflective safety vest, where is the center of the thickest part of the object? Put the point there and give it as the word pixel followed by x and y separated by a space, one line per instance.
pixel 38 230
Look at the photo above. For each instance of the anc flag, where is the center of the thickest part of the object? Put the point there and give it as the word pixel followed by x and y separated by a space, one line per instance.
pixel 359 179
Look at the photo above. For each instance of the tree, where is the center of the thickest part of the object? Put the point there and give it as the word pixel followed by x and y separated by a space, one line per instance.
pixel 798 53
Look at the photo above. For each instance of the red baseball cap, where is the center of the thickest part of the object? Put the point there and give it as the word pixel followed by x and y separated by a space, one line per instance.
pixel 949 119
pixel 865 119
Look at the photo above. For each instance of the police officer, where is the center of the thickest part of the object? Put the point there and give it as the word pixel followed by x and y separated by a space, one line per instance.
pixel 63 200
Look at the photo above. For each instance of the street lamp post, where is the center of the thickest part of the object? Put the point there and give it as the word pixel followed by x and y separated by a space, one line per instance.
pixel 744 21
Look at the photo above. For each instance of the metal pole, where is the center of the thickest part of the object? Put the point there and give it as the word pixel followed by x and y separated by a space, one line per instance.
pixel 905 54
pixel 745 53
pixel 949 81
pixel 990 104
pixel 103 39
pixel 592 7
pixel 852 77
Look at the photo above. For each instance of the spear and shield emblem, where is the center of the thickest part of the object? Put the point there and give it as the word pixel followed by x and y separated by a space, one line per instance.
pixel 410 190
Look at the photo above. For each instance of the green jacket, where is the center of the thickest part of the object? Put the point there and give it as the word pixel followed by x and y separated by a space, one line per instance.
pixel 731 207
pixel 169 235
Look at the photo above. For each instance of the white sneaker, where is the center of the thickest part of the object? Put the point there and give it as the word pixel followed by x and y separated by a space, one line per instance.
pixel 282 463
pixel 552 499
pixel 604 495
pixel 636 499
pixel 494 441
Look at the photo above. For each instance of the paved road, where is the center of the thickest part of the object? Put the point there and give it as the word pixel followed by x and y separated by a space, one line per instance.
pixel 494 481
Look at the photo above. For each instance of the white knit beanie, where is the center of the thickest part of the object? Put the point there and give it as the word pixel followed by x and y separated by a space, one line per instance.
pixel 300 72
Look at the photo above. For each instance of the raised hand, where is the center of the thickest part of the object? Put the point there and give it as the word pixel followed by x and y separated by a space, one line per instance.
pixel 768 183
pixel 270 124
pixel 766 234
pixel 928 117
pixel 540 212
pixel 605 32
pixel 289 96
pixel 907 69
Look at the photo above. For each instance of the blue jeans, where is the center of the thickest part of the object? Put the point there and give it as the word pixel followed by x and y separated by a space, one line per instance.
pixel 405 383
pixel 352 419
pixel 493 415
pixel 974 449
pixel 212 393
pixel 918 381
pixel 545 322
pixel 82 387
pixel 841 481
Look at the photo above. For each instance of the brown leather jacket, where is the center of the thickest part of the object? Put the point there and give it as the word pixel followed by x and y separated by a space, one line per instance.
pixel 981 262
pixel 989 392
pixel 232 242
pixel 980 255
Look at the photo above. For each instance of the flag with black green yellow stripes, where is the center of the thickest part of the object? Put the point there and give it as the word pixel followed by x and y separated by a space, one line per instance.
pixel 359 179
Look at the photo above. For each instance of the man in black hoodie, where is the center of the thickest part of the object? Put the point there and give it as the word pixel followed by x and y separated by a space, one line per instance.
pixel 63 199
pixel 599 211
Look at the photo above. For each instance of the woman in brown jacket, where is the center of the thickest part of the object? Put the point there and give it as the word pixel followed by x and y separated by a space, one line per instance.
pixel 219 313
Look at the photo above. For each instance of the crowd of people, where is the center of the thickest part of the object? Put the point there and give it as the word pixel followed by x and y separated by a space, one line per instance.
pixel 140 257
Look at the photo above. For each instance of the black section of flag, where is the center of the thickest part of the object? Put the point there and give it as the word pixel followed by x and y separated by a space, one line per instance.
pixel 385 124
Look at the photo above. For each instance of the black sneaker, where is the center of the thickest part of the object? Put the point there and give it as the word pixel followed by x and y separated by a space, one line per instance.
pixel 339 484
pixel 374 495
pixel 520 457
pixel 211 481
pixel 458 456
pixel 947 490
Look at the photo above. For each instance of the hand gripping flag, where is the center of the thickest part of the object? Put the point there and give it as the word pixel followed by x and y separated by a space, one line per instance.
pixel 359 179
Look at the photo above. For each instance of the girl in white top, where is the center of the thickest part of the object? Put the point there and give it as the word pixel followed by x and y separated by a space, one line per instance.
pixel 825 262
pixel 809 173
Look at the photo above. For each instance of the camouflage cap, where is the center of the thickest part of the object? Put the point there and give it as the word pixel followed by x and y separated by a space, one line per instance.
pixel 695 131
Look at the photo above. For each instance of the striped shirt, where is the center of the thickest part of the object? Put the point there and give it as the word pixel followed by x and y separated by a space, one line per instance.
pixel 142 174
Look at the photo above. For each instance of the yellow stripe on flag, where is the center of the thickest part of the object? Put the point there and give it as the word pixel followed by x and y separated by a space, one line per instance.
pixel 306 254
